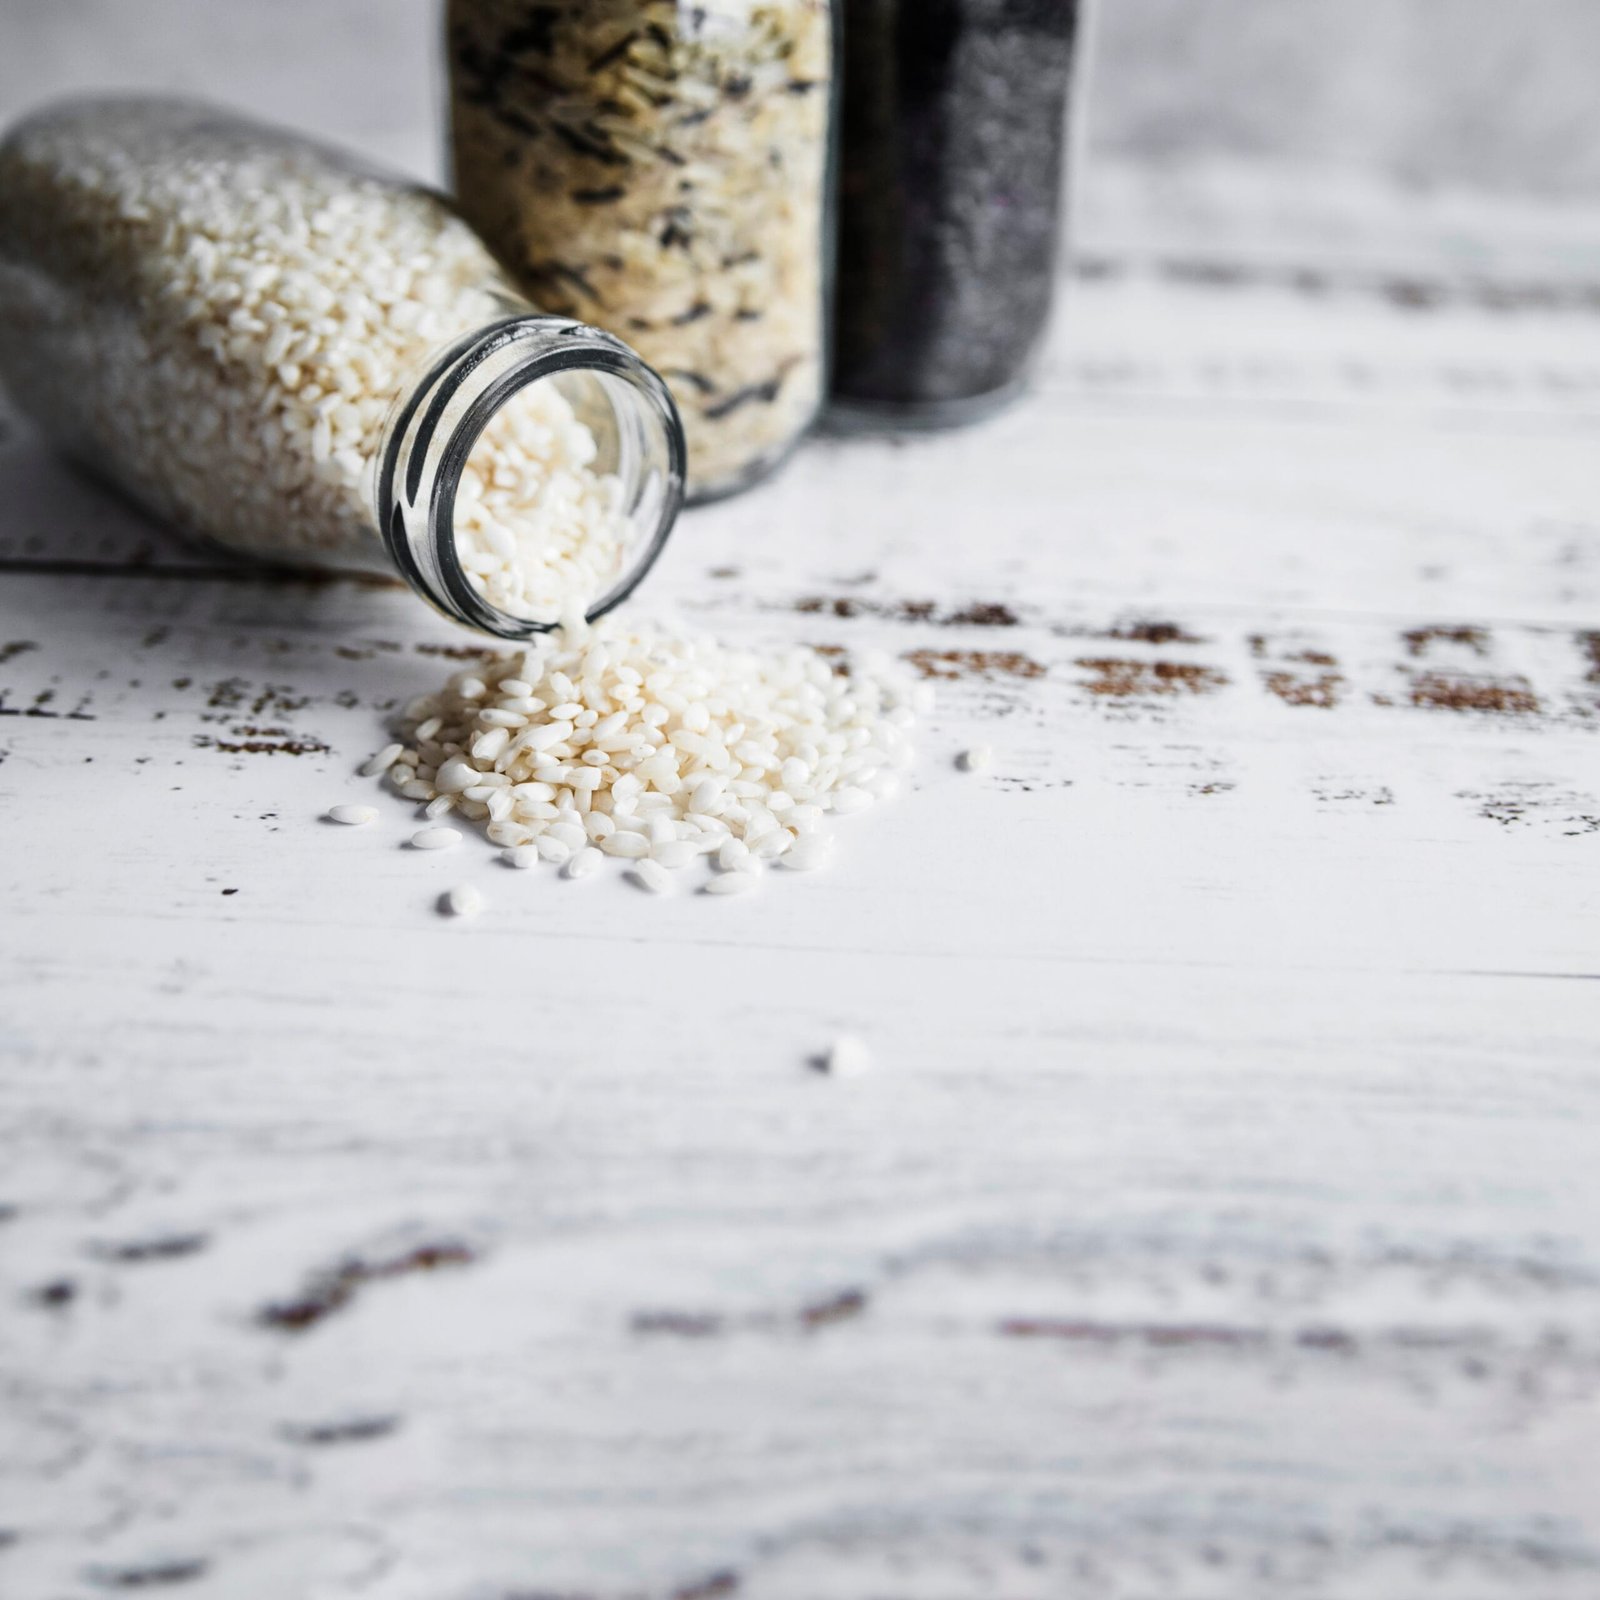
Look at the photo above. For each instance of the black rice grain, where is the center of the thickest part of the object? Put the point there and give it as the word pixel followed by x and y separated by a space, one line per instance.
pixel 953 156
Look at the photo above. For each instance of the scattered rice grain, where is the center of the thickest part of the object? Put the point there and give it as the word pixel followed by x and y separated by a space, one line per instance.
pixel 732 883
pixel 651 875
pixel 461 901
pixel 435 839
pixel 582 864
pixel 847 1057
pixel 381 762
pixel 809 854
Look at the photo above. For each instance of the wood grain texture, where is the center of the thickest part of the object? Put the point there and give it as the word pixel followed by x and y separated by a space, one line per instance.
pixel 1220 1219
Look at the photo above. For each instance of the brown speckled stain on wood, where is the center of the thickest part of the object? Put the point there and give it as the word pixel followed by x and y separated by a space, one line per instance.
pixel 227 694
pixel 273 701
pixel 277 701
pixel 983 614
pixel 38 710
pixel 1449 1343
pixel 1507 697
pixel 1588 644
pixel 716 1586
pixel 1150 632
pixel 333 1290
pixel 812 1318
pixel 1504 811
pixel 1118 678
pixel 976 614
pixel 1567 811
pixel 679 1324
pixel 1419 641
pixel 1380 796
pixel 990 664
pixel 814 604
pixel 1334 1340
pixel 263 747
pixel 836 655
pixel 1288 650
pixel 346 1430
pixel 1404 291
pixel 836 1308
pixel 453 652
pixel 161 1247
pixel 158 1575
pixel 365 649
pixel 1325 690
pixel 1155 1335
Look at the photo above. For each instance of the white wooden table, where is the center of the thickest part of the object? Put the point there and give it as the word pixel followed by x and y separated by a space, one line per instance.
pixel 1222 1216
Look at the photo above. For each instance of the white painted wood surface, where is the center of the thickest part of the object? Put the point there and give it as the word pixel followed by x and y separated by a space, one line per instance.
pixel 1222 1216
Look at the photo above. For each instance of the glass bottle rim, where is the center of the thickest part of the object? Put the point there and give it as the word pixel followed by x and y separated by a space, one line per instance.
pixel 465 387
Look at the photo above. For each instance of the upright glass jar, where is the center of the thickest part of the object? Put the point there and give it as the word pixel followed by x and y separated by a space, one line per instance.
pixel 662 169
pixel 953 161
pixel 304 360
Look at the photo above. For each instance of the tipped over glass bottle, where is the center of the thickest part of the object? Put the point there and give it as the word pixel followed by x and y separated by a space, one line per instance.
pixel 299 358
pixel 663 169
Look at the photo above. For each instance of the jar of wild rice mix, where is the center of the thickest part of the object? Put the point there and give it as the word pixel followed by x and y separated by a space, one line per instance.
pixel 305 360
pixel 661 169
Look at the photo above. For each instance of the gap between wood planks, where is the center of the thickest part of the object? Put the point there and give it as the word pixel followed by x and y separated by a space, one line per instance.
pixel 244 573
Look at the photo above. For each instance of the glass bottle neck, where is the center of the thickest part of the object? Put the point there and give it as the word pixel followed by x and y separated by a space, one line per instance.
pixel 435 427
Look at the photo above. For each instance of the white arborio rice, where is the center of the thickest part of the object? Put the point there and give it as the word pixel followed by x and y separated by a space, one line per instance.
pixel 536 530
pixel 462 901
pixel 220 316
pixel 847 1057
pixel 657 748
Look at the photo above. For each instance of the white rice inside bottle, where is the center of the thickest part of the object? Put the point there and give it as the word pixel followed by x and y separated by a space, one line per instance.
pixel 220 317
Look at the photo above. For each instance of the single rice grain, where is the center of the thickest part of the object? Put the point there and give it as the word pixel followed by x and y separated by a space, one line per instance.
pixel 435 839
pixel 462 901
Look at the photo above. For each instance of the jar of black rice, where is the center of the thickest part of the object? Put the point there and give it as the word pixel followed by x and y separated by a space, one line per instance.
pixel 953 165
pixel 662 170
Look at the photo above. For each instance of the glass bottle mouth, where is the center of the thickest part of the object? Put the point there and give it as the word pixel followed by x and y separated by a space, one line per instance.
pixel 431 438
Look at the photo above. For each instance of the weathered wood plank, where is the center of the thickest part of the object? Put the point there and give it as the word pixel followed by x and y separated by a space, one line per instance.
pixel 1220 1218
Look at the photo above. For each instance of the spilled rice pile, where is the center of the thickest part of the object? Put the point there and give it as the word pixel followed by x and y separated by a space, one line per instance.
pixel 627 740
